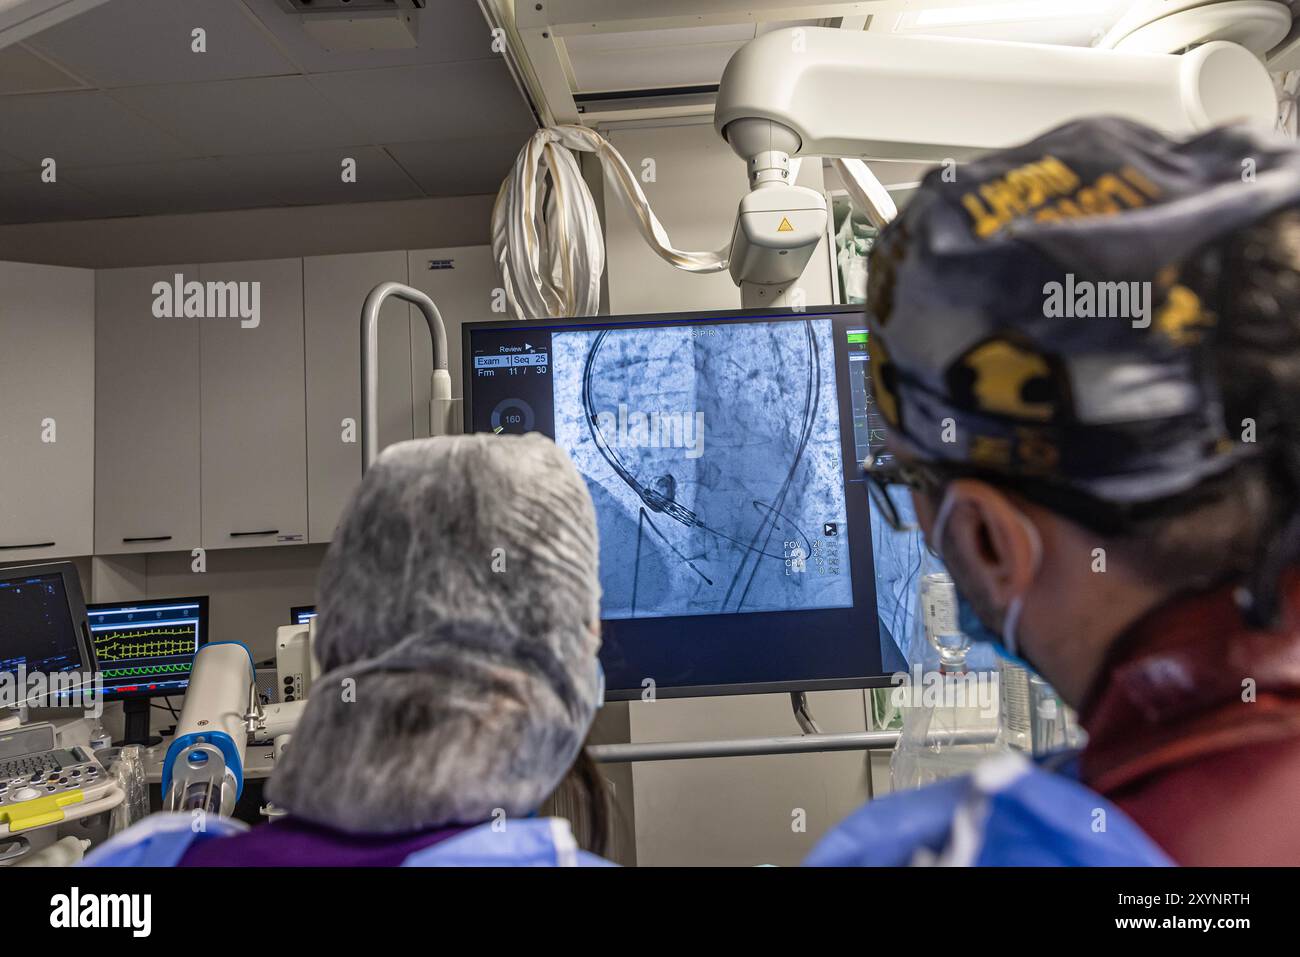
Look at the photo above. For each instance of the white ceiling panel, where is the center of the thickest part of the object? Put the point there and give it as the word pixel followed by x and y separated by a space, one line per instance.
pixel 233 117
pixel 9 163
pixel 460 167
pixel 445 101
pixel 22 71
pixel 129 42
pixel 646 68
pixel 677 37
pixel 146 189
pixel 448 30
pixel 140 125
pixel 25 199
pixel 315 178
pixel 80 129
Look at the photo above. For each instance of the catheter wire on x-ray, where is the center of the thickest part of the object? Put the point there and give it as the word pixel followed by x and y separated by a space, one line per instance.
pixel 657 501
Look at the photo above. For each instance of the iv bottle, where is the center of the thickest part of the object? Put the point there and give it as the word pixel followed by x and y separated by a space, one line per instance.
pixel 950 713
pixel 99 737
pixel 939 618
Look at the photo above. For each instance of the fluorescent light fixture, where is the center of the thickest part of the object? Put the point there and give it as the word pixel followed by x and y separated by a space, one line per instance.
pixel 1003 13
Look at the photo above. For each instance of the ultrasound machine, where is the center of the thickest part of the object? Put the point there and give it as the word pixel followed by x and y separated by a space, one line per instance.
pixel 45 643
pixel 723 453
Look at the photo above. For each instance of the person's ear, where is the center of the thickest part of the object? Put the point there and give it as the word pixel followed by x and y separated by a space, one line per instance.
pixel 986 537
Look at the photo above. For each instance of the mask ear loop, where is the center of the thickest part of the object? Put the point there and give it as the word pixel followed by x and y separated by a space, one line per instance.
pixel 1017 606
pixel 940 524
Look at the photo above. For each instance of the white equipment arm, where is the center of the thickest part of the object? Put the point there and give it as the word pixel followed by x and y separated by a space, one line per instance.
pixel 822 92
pixel 843 93
pixel 444 409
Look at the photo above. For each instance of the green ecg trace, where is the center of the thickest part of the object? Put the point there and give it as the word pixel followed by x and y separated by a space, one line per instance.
pixel 146 670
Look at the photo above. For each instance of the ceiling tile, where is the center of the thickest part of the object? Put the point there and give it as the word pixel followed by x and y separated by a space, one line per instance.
pixel 80 129
pixel 445 101
pixel 448 30
pixel 233 117
pixel 22 71
pixel 459 167
pixel 25 199
pixel 315 178
pixel 9 163
pixel 147 189
pixel 130 42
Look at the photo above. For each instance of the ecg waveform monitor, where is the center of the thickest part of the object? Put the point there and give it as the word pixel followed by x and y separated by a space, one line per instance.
pixel 147 648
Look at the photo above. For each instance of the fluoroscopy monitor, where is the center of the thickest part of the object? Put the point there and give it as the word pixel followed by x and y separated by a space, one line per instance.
pixel 722 452
pixel 43 627
pixel 146 649
pixel 301 614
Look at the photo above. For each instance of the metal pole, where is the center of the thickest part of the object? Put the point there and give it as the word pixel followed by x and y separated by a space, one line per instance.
pixel 370 355
pixel 789 744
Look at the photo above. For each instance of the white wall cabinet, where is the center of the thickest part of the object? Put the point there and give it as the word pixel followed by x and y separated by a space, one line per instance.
pixel 47 386
pixel 209 430
pixel 146 417
pixel 253 411
pixel 334 290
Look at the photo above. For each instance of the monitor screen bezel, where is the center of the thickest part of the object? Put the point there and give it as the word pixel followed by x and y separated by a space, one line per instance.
pixel 76 609
pixel 204 637
pixel 847 683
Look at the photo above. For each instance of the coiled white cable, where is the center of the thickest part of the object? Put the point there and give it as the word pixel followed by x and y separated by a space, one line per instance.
pixel 551 255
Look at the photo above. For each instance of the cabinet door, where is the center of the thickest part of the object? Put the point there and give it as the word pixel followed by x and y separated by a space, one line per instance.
pixel 147 416
pixel 254 434
pixel 47 423
pixel 334 290
pixel 461 281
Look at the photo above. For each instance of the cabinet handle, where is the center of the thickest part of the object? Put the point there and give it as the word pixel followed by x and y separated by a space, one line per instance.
pixel 147 538
pixel 269 531
pixel 12 548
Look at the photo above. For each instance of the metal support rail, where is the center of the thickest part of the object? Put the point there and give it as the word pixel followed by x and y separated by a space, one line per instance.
pixel 788 744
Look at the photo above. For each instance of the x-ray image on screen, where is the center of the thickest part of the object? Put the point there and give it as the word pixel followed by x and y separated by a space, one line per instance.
pixel 713 455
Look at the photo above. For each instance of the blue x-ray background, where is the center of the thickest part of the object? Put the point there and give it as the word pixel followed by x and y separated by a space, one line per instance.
pixel 766 480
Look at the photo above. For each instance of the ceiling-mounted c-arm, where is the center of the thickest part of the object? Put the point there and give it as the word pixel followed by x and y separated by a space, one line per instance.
pixel 809 91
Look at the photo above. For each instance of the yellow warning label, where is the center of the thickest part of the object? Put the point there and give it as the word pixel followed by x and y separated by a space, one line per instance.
pixel 785 226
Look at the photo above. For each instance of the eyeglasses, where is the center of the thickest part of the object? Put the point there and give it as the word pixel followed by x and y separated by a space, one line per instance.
pixel 880 472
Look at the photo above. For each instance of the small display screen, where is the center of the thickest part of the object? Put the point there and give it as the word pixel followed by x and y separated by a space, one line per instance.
pixel 37 631
pixel 147 648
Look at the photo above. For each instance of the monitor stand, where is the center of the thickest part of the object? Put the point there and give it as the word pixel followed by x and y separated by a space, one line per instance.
pixel 137 723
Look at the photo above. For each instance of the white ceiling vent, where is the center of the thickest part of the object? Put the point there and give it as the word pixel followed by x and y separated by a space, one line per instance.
pixel 358 25
pixel 351 6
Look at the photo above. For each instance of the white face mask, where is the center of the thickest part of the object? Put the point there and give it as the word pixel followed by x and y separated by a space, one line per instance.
pixel 970 622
